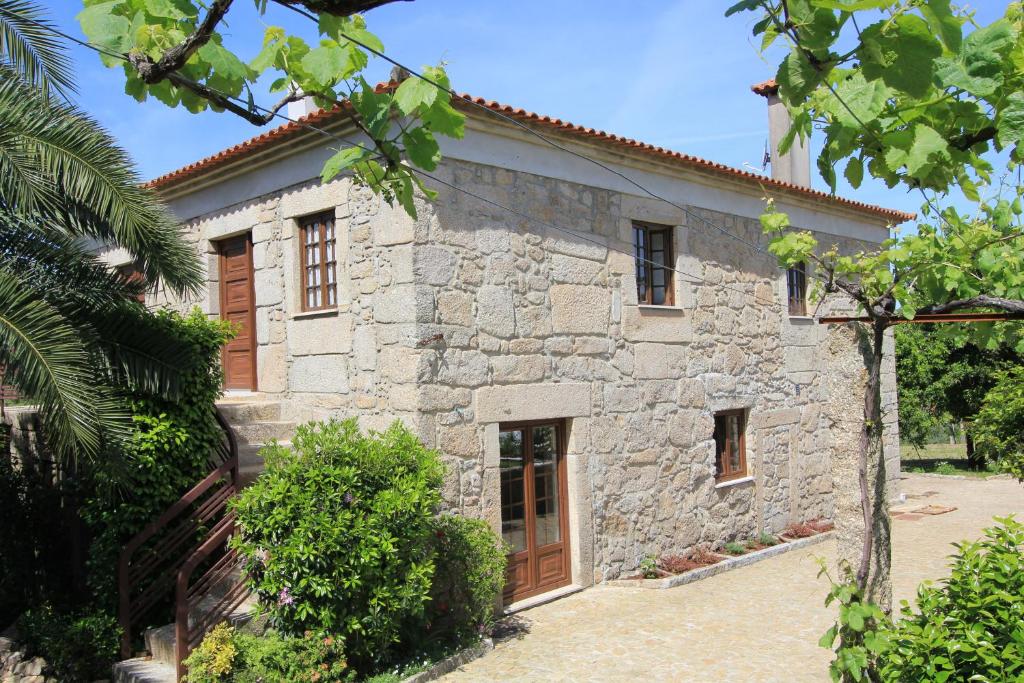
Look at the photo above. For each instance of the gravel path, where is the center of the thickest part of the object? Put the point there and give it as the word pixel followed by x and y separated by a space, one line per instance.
pixel 759 623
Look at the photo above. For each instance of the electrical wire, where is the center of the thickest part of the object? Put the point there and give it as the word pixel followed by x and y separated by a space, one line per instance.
pixel 693 278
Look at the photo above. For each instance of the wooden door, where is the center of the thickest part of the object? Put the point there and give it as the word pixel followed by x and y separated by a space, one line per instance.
pixel 237 304
pixel 534 519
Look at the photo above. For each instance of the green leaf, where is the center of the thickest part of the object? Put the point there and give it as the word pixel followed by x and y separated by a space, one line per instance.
pixel 444 119
pixel 942 22
pixel 851 5
pixel 797 78
pixel 364 37
pixel 828 638
pixel 328 63
pixel 171 9
pixel 864 100
pixel 341 160
pixel 224 62
pixel 270 51
pixel 413 93
pixel 1010 121
pixel 929 148
pixel 902 52
pixel 106 29
pixel 743 6
pixel 421 148
pixel 854 172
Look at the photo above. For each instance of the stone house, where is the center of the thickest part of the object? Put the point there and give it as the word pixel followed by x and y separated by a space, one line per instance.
pixel 594 406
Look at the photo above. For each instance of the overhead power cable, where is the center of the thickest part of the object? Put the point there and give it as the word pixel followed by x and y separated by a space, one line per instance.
pixel 519 124
pixel 693 278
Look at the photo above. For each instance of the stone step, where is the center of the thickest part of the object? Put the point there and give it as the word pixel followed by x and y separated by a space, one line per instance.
pixel 250 462
pixel 160 641
pixel 254 433
pixel 144 670
pixel 243 412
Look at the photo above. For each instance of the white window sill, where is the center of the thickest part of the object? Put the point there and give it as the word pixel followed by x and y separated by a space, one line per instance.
pixel 734 482
pixel 315 314
pixel 801 318
pixel 667 309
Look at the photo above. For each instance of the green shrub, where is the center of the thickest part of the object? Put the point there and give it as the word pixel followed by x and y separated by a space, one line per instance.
pixel 228 656
pixel 469 578
pixel 998 429
pixel 735 548
pixel 167 454
pixel 80 646
pixel 945 468
pixel 971 627
pixel 337 534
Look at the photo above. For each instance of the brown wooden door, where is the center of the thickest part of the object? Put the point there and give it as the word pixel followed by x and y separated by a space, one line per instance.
pixel 533 508
pixel 237 304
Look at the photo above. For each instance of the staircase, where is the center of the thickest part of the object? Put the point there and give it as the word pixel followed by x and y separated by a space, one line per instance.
pixel 256 422
pixel 161 666
pixel 185 554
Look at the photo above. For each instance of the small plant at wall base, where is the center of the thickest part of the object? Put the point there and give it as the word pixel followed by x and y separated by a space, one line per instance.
pixel 649 567
pixel 336 534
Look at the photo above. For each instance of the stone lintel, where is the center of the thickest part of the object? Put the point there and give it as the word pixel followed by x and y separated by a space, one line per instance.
pixel 532 402
pixel 777 418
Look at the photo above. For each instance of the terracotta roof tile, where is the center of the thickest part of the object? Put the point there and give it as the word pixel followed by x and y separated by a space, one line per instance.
pixel 766 88
pixel 291 129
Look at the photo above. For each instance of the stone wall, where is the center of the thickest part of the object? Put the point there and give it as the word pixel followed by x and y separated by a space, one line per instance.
pixel 522 307
pixel 469 316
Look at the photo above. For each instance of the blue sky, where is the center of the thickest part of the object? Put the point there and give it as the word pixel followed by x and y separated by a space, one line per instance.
pixel 675 74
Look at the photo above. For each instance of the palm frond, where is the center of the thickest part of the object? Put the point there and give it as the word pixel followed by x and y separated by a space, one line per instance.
pixel 32 49
pixel 72 172
pixel 49 360
pixel 137 353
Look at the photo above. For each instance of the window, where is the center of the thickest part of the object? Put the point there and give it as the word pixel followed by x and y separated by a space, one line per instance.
pixel 652 247
pixel 132 273
pixel 319 263
pixel 730 445
pixel 796 289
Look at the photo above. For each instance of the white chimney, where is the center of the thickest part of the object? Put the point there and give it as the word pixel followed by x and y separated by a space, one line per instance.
pixel 300 108
pixel 795 165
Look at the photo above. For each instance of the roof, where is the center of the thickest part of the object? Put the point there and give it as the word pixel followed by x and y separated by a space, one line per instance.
pixel 766 88
pixel 466 102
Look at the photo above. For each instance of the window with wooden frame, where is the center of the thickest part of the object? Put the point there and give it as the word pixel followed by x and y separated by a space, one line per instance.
pixel 796 289
pixel 133 274
pixel 319 263
pixel 655 259
pixel 730 445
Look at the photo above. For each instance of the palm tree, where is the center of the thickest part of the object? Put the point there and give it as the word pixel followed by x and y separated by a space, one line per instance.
pixel 71 331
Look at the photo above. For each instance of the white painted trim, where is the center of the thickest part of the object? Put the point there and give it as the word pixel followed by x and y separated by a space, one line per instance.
pixel 734 482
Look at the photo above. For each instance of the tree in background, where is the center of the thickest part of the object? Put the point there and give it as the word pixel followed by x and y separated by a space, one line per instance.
pixel 943 385
pixel 70 328
pixel 174 51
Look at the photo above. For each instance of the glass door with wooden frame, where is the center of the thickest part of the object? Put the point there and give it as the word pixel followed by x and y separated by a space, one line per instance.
pixel 533 508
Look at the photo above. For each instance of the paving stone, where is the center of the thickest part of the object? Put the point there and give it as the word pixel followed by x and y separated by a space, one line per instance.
pixel 771 613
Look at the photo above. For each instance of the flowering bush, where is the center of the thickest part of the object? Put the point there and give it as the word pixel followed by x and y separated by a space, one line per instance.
pixel 336 535
pixel 226 655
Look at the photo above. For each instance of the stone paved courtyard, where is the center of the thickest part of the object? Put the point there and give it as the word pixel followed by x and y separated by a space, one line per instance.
pixel 758 623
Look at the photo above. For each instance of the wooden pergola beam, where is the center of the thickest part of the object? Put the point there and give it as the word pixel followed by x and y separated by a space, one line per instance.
pixel 930 318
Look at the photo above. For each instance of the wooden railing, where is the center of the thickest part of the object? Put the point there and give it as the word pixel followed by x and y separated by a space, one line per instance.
pixel 193 533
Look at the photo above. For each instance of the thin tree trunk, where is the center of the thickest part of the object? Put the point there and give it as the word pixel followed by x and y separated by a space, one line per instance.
pixel 871 437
